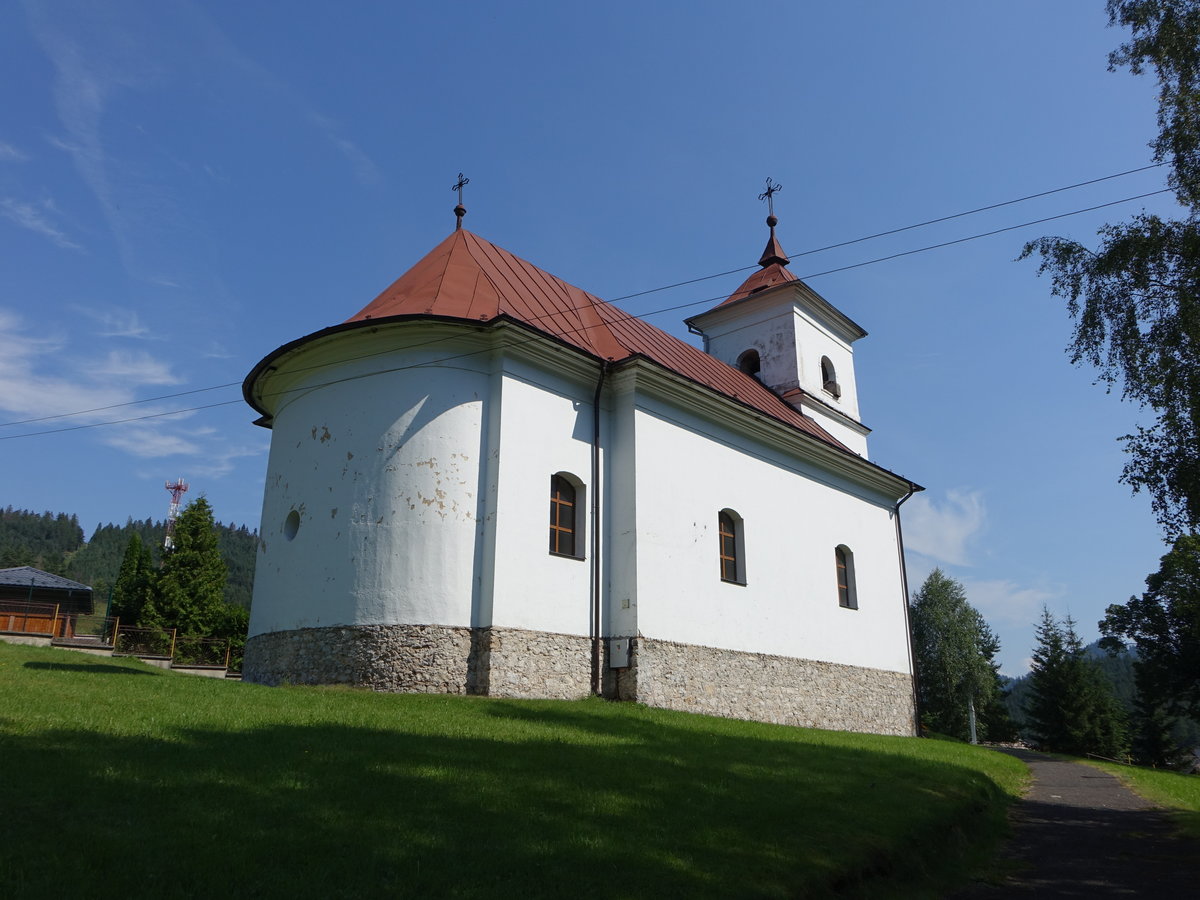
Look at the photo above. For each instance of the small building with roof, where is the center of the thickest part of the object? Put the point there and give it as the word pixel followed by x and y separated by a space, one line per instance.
pixel 490 481
pixel 33 601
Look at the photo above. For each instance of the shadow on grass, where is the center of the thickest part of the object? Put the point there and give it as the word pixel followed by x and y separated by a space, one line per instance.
pixel 569 800
pixel 88 668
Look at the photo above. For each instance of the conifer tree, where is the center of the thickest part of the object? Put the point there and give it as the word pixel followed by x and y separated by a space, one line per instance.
pixel 1153 728
pixel 191 582
pixel 996 722
pixel 133 592
pixel 1071 707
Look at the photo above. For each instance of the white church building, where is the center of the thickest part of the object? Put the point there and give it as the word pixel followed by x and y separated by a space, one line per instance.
pixel 489 481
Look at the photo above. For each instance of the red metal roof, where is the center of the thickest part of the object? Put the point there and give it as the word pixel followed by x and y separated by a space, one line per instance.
pixel 469 278
pixel 768 277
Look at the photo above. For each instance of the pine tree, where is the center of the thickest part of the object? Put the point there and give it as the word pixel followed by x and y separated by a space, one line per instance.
pixel 1049 697
pixel 995 721
pixel 1071 707
pixel 133 592
pixel 191 582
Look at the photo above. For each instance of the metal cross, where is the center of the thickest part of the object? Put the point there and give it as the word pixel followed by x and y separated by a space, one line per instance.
pixel 769 196
pixel 463 182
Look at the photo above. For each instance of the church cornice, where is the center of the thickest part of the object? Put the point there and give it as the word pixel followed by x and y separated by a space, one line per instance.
pixel 512 336
pixel 640 373
pixel 795 293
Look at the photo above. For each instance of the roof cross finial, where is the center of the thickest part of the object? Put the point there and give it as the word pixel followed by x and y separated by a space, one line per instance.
pixel 774 253
pixel 461 210
pixel 769 196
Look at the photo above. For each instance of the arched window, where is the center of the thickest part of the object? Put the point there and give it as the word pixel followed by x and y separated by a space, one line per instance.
pixel 731 532
pixel 829 377
pixel 566 523
pixel 847 594
pixel 750 363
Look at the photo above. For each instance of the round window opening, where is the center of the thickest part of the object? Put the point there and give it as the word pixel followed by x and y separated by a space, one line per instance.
pixel 291 524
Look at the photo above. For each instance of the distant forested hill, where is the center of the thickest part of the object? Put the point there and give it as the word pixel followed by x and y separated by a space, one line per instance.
pixel 54 543
pixel 38 539
pixel 98 562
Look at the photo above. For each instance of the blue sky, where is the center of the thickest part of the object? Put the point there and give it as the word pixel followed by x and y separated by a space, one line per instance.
pixel 186 186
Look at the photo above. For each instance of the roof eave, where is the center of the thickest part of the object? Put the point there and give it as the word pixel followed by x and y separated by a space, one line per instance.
pixel 249 384
pixel 849 457
pixel 268 361
pixel 853 329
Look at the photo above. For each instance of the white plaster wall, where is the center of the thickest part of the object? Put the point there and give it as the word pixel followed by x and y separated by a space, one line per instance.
pixel 836 426
pixel 790 339
pixel 792 519
pixel 545 427
pixel 423 495
pixel 813 341
pixel 621 546
pixel 769 330
pixel 384 472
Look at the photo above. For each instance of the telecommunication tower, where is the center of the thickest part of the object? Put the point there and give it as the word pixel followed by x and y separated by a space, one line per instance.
pixel 177 489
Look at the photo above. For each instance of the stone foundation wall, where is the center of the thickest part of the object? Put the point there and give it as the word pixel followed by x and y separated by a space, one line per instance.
pixel 539 664
pixel 437 659
pixel 504 662
pixel 766 688
pixel 433 659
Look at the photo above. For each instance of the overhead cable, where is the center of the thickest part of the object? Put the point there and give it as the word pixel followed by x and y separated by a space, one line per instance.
pixel 531 319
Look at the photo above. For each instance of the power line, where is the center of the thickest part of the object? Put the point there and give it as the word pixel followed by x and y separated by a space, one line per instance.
pixel 82 412
pixel 158 415
pixel 871 262
pixel 879 234
pixel 848 243
pixel 975 237
pixel 575 330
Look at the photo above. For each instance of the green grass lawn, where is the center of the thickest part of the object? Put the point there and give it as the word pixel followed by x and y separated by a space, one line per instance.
pixel 117 779
pixel 1179 793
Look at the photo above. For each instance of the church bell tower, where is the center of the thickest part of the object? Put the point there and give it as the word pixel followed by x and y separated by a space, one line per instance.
pixel 778 329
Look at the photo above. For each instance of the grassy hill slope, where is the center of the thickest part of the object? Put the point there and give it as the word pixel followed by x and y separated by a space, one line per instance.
pixel 121 780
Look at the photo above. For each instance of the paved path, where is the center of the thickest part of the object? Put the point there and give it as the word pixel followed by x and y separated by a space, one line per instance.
pixel 1078 832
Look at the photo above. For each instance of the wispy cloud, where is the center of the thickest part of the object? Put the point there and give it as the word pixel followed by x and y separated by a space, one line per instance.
pixel 216 350
pixel 27 390
pixel 364 169
pixel 117 322
pixel 1006 603
pixel 221 463
pixel 132 368
pixel 944 531
pixel 149 441
pixel 99 54
pixel 41 379
pixel 96 55
pixel 9 153
pixel 1009 607
pixel 230 57
pixel 33 218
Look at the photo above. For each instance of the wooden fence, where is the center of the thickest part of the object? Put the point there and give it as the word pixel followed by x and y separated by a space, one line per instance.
pixel 20 617
pixel 105 632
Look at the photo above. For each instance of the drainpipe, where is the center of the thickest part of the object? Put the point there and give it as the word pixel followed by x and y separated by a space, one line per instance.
pixel 912 662
pixel 596 572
